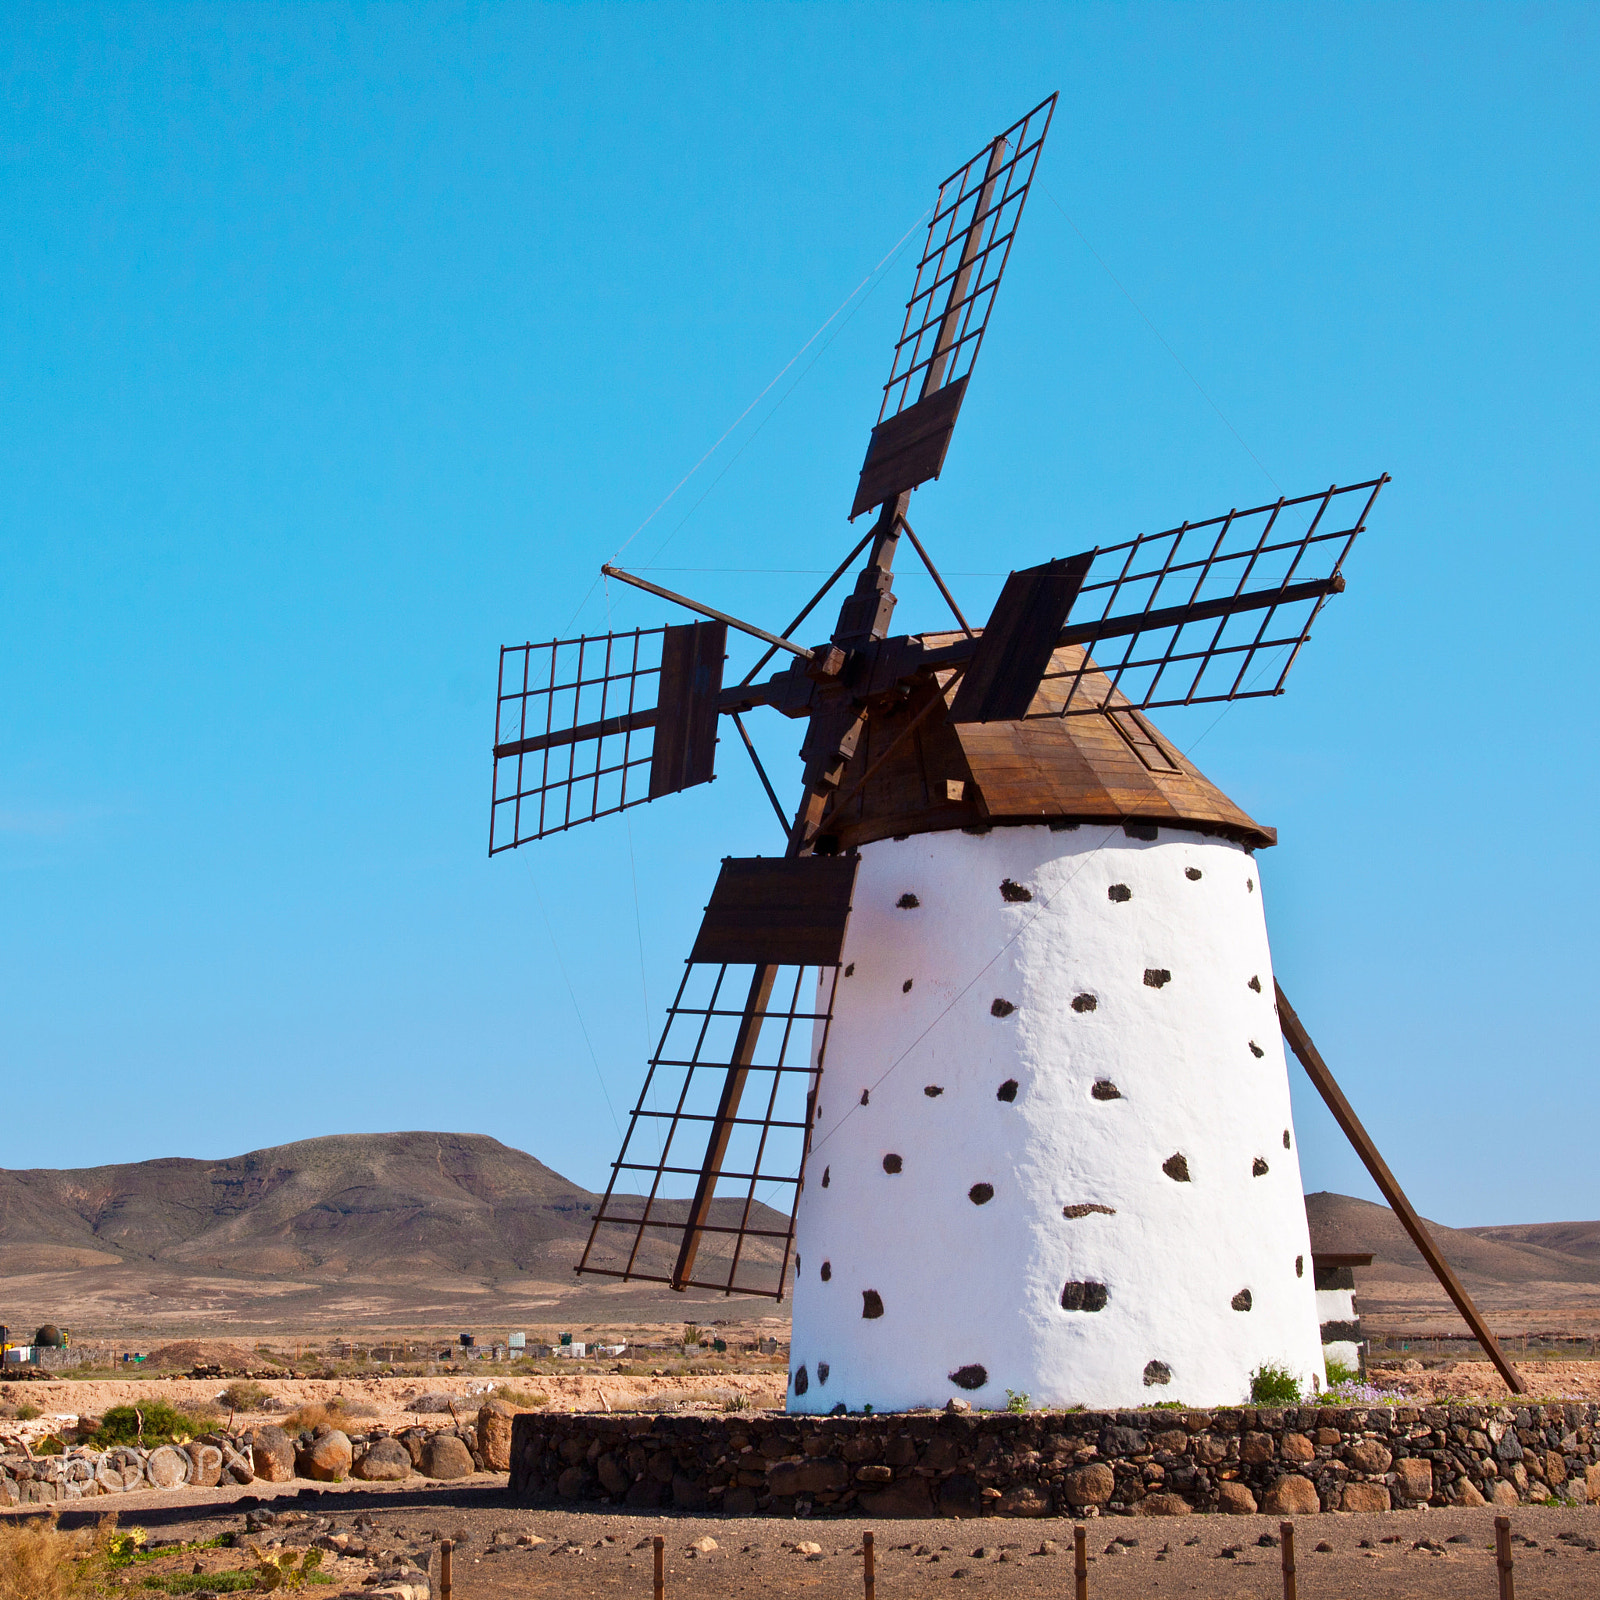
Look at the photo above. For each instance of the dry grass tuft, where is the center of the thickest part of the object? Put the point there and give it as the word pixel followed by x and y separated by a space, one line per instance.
pixel 40 1562
pixel 338 1412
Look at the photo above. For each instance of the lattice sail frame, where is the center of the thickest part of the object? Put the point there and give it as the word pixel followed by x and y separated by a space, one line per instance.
pixel 609 682
pixel 952 333
pixel 1145 657
pixel 742 1251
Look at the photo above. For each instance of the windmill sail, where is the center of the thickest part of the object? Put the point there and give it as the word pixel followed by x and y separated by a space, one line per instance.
pixel 702 1194
pixel 1207 611
pixel 590 726
pixel 969 240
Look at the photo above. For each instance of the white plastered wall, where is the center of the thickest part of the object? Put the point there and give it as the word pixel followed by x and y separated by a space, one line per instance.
pixel 965 1285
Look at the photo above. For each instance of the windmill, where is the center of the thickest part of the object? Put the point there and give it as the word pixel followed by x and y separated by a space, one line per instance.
pixel 986 1065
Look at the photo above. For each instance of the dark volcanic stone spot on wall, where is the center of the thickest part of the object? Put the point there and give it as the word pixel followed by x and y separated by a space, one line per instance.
pixel 1258 1168
pixel 865 1096
pixel 1156 977
pixel 827 1271
pixel 1250 885
pixel 1084 1002
pixel 892 1163
pixel 1286 1144
pixel 1242 1301
pixel 822 1372
pixel 1193 874
pixel 1075 1212
pixel 802 1381
pixel 827 1173
pixel 1140 830
pixel 871 1304
pixel 980 1194
pixel 933 1090
pixel 1084 1297
pixel 1014 892
pixel 907 902
pixel 1156 1372
pixel 1105 1089
pixel 1176 1167
pixel 1001 1008
pixel 1118 893
pixel 1256 1050
pixel 973 1377
pixel 905 988
pixel 1061 825
pixel 1299 1266
pixel 850 971
pixel 1007 1090
pixel 1255 983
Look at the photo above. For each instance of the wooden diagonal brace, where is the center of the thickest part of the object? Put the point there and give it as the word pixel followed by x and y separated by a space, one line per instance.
pixel 1322 1080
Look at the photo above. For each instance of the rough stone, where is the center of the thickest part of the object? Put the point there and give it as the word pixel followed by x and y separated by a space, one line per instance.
pixel 123 1469
pixel 1298 1448
pixel 1163 1505
pixel 1090 1485
pixel 1292 1496
pixel 1369 1456
pixel 383 1461
pixel 822 1475
pixel 1466 1493
pixel 1365 1497
pixel 910 1497
pixel 1255 1448
pixel 494 1434
pixel 1236 1500
pixel 205 1463
pixel 1591 1483
pixel 272 1455
pixel 168 1467
pixel 1555 1469
pixel 1024 1500
pixel 328 1460
pixel 1504 1494
pixel 1414 1478
pixel 447 1457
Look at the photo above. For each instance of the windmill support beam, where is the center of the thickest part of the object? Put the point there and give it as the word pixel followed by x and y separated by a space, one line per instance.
pixel 1322 1080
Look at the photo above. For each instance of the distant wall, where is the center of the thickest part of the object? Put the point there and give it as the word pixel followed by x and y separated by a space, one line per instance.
pixel 1291 1461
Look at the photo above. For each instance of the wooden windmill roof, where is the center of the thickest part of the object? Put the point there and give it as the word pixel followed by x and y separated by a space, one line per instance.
pixel 1104 766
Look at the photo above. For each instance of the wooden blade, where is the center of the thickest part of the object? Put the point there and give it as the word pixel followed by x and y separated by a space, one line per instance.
pixel 1013 652
pixel 685 748
pixel 1333 1097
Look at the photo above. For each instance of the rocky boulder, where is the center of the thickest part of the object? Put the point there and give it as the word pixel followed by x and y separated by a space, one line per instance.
pixel 205 1463
pixel 494 1435
pixel 383 1461
pixel 446 1457
pixel 328 1458
pixel 119 1470
pixel 1292 1496
pixel 168 1467
pixel 272 1455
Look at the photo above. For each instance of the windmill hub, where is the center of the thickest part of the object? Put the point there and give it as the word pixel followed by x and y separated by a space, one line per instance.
pixel 987 1062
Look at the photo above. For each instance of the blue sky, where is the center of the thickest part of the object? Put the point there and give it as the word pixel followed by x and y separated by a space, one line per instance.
pixel 340 345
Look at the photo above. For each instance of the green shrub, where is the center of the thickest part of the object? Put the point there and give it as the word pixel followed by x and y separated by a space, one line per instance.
pixel 1339 1373
pixel 522 1399
pixel 26 1412
pixel 1016 1401
pixel 245 1394
pixel 1272 1385
pixel 154 1422
pixel 51 1445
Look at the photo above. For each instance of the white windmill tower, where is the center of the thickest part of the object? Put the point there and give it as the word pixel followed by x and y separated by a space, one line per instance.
pixel 999 1029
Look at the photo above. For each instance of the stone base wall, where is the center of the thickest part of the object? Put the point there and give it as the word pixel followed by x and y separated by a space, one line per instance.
pixel 1291 1461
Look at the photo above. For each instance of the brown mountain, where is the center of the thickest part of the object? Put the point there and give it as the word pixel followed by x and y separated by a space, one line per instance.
pixel 1522 1276
pixel 393 1220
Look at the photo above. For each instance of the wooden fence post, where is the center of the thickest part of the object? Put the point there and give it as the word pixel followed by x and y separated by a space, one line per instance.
pixel 445 1549
pixel 1286 1535
pixel 869 1577
pixel 1502 1557
pixel 1080 1562
pixel 661 1566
